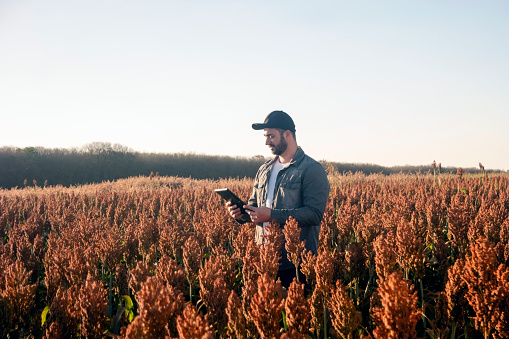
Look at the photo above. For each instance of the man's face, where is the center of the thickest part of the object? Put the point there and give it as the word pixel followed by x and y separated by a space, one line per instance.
pixel 275 140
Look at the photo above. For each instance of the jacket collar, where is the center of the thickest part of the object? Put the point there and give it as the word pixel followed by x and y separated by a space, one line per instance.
pixel 298 156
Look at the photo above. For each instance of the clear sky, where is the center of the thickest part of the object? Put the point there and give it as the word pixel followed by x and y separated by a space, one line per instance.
pixel 381 82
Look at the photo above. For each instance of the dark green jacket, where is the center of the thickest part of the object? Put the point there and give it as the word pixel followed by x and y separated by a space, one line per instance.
pixel 301 191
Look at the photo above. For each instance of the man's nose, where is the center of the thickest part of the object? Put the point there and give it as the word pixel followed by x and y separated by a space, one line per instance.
pixel 267 141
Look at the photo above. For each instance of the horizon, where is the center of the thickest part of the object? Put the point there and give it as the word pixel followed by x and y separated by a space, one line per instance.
pixel 365 82
pixel 131 150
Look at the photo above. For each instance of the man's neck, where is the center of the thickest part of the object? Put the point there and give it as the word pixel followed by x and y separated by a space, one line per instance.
pixel 287 156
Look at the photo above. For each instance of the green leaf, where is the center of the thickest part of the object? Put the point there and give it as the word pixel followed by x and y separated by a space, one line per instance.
pixel 284 320
pixel 130 315
pixel 44 315
pixel 128 302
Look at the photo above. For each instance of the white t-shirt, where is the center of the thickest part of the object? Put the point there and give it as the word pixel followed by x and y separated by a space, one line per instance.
pixel 276 167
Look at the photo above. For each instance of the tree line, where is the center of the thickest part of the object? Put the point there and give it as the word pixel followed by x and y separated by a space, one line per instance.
pixel 102 161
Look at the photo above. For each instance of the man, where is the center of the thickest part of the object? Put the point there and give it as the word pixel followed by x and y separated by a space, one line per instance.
pixel 291 184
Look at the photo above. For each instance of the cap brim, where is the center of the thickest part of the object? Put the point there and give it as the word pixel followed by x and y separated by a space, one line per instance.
pixel 259 126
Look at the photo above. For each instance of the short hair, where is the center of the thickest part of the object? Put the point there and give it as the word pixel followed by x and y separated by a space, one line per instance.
pixel 281 131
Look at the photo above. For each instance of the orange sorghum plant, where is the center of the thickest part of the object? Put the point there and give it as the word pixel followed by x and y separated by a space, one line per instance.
pixel 324 273
pixel 92 303
pixel 297 308
pixel 215 298
pixel 191 325
pixel 355 261
pixel 373 225
pixel 27 245
pixel 503 245
pixel 294 246
pixel 192 256
pixel 493 211
pixel 409 250
pixel 440 323
pixel 266 306
pixel 398 315
pixel 159 306
pixel 459 219
pixel 64 313
pixel 250 262
pixel 455 291
pixel 308 267
pixel 138 276
pixel 121 286
pixel 502 314
pixel 18 292
pixel 317 307
pixel 54 331
pixel 66 266
pixel 249 290
pixel 227 264
pixel 344 316
pixel 169 271
pixel 270 251
pixel 236 319
pixel 147 235
pixel 435 214
pixel 487 287
pixel 293 334
pixel 173 236
pixel 385 257
pixel 109 248
pixel 79 311
pixel 348 216
pixel 242 240
pixel 131 246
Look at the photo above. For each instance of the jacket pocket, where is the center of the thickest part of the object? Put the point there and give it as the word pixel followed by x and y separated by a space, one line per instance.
pixel 289 195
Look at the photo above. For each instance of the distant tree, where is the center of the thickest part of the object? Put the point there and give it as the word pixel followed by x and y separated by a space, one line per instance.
pixel 99 161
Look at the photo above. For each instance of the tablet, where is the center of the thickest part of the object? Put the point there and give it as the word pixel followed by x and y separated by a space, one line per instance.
pixel 228 195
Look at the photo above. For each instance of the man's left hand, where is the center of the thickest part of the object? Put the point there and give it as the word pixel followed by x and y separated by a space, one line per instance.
pixel 258 214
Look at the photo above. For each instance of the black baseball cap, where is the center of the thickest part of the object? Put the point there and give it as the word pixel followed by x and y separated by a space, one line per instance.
pixel 276 119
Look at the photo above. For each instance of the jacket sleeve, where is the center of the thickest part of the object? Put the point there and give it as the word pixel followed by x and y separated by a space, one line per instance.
pixel 315 193
pixel 252 199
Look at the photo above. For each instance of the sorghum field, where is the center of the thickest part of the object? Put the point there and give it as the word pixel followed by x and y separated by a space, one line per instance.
pixel 401 256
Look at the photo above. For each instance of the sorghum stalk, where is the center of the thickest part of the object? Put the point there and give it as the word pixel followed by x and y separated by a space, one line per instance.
pixel 325 317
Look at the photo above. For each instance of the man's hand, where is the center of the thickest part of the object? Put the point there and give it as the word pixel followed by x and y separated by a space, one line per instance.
pixel 233 210
pixel 258 214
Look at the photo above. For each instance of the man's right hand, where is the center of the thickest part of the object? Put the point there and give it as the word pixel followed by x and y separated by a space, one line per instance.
pixel 233 210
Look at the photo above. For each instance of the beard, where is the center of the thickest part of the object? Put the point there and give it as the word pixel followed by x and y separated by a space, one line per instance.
pixel 280 148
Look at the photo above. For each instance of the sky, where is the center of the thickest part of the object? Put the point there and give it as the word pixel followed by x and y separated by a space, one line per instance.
pixel 389 82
